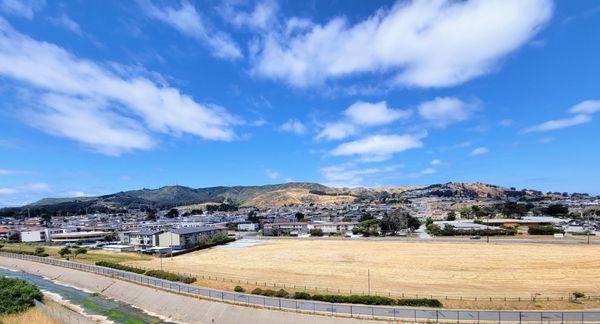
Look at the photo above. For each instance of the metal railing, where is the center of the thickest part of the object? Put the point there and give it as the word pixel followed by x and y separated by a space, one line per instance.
pixel 323 308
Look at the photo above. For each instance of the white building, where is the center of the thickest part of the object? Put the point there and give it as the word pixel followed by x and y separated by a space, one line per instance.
pixel 247 227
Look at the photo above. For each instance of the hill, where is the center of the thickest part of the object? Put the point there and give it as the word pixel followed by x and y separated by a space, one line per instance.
pixel 261 196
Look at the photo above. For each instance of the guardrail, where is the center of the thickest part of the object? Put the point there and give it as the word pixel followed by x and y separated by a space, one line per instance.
pixel 322 308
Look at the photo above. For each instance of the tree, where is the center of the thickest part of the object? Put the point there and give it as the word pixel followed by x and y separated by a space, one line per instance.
pixel 64 252
pixel 46 220
pixel 78 251
pixel 370 227
pixel 151 215
pixel 557 210
pixel 451 216
pixel 173 213
pixel 299 216
pixel 316 232
pixel 347 219
pixel 39 251
pixel 365 216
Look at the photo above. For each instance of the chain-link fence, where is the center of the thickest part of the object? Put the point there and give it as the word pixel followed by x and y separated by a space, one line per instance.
pixel 360 311
pixel 64 315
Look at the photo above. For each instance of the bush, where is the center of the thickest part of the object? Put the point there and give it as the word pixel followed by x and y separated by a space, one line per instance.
pixel 316 232
pixel 282 293
pixel 257 291
pixel 64 251
pixel 16 295
pixel 578 294
pixel 214 241
pixel 120 267
pixel 369 300
pixel 301 295
pixel 170 276
pixel 239 289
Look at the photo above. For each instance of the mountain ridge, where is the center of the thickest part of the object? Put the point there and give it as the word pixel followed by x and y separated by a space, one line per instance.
pixel 266 196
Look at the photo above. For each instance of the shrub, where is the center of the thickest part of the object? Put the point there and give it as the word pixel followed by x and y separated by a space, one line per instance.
pixel 257 291
pixel 301 295
pixel 1 246
pixel 64 251
pixel 282 293
pixel 316 232
pixel 170 276
pixel 578 294
pixel 369 300
pixel 16 295
pixel 120 267
pixel 239 289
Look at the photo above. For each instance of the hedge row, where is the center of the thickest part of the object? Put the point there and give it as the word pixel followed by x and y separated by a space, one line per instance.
pixel 43 254
pixel 120 267
pixel 347 299
pixel 369 300
pixel 170 276
pixel 271 293
pixel 152 273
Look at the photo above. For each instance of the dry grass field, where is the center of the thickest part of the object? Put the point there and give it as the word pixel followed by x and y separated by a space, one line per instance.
pixel 424 268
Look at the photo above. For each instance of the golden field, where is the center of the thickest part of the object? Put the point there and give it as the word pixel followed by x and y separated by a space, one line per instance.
pixel 425 268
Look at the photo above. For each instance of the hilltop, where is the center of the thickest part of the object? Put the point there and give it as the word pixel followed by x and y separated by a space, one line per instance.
pixel 266 196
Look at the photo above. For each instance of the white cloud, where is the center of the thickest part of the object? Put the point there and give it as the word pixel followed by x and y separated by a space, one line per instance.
pixel 436 162
pixel 35 187
pixel 373 114
pixel 422 43
pixel 189 22
pixel 68 23
pixel 273 174
pixel 558 124
pixel 12 172
pixel 22 8
pixel 293 126
pixel 428 171
pixel 110 110
pixel 380 147
pixel 261 17
pixel 337 131
pixel 479 151
pixel 586 107
pixel 442 112
pixel 361 115
pixel 349 175
pixel 505 122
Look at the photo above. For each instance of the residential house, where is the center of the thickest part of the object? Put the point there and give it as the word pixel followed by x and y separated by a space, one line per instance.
pixel 188 237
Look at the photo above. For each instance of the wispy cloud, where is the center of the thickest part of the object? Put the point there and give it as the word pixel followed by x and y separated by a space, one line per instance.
pixel 66 22
pixel 272 174
pixel 293 126
pixel 22 8
pixel 582 115
pixel 188 21
pixel 110 110
pixel 350 175
pixel 12 172
pixel 479 151
pixel 441 112
pixel 558 124
pixel 404 41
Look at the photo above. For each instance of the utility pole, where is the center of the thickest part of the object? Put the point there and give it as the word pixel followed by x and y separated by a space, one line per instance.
pixel 369 281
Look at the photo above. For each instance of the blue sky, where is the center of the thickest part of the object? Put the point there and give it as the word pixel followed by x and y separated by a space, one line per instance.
pixel 102 96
